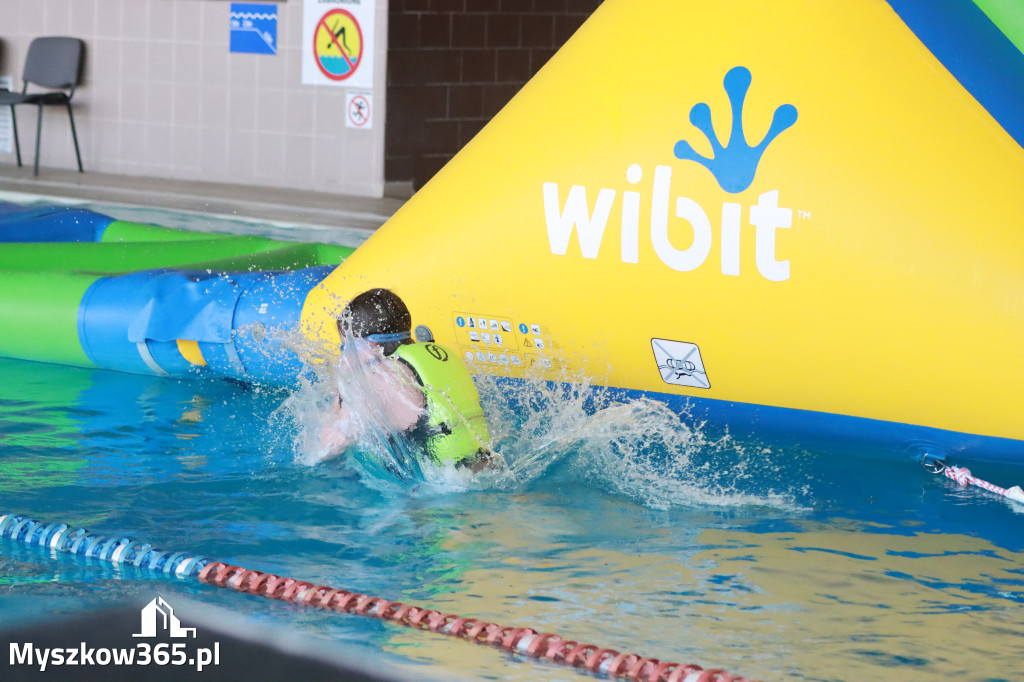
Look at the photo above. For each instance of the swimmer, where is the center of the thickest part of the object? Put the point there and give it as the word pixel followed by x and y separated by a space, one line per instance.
pixel 421 389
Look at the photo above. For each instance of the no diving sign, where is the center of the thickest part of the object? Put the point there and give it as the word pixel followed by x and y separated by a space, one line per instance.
pixel 338 42
pixel 359 109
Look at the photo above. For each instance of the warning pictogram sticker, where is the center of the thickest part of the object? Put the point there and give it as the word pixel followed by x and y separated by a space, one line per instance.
pixel 680 363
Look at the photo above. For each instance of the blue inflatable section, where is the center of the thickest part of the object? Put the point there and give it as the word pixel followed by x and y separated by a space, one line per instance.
pixel 975 51
pixel 50 224
pixel 856 437
pixel 240 320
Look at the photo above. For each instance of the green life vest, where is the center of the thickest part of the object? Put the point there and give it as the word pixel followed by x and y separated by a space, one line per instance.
pixel 456 420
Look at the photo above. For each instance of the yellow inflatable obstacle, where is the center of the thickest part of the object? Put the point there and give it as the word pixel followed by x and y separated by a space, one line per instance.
pixel 810 211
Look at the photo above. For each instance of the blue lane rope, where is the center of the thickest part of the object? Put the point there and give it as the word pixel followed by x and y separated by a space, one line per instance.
pixel 114 549
pixel 543 646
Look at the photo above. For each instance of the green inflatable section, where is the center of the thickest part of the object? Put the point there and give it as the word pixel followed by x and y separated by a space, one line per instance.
pixel 40 311
pixel 225 253
pixel 42 284
pixel 1008 16
pixel 125 231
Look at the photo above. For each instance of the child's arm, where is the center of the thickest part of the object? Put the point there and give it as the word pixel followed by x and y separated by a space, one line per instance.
pixel 338 433
pixel 406 400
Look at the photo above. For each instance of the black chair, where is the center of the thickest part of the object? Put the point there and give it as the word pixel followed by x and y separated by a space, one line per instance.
pixel 53 63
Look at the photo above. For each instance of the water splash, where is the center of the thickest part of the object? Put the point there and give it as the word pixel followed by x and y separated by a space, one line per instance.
pixel 381 451
pixel 384 456
pixel 567 430
pixel 636 447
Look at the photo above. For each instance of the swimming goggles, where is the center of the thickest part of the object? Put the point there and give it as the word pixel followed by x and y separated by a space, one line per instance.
pixel 387 338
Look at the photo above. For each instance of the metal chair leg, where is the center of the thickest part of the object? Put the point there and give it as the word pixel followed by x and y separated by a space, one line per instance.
pixel 14 126
pixel 39 135
pixel 74 136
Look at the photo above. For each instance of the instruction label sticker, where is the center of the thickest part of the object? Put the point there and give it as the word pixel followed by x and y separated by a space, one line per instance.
pixel 680 363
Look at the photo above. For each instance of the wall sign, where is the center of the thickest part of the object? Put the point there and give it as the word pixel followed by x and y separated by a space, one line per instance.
pixel 254 27
pixel 359 109
pixel 337 39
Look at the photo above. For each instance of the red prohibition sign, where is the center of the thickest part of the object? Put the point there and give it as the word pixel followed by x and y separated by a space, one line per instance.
pixel 359 111
pixel 337 68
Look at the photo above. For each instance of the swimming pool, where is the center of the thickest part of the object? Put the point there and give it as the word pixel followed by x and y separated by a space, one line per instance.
pixel 767 556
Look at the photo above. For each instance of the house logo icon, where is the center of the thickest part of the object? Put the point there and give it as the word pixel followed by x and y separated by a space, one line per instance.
pixel 158 615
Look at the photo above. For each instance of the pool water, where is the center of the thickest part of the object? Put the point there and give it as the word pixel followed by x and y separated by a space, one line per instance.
pixel 788 564
pixel 622 525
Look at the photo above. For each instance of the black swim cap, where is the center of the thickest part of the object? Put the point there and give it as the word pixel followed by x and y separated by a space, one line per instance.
pixel 377 311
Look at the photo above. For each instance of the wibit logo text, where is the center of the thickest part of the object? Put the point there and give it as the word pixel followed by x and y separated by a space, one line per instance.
pixel 733 166
pixel 589 224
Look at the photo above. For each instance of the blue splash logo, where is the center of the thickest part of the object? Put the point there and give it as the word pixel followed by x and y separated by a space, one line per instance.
pixel 733 166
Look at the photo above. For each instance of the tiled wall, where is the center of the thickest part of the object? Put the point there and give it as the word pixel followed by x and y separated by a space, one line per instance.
pixel 163 96
pixel 454 63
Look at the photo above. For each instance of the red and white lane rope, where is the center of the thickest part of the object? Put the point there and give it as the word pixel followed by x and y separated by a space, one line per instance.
pixel 963 477
pixel 544 646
